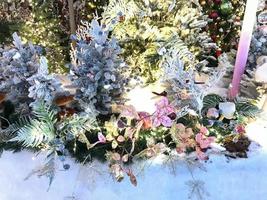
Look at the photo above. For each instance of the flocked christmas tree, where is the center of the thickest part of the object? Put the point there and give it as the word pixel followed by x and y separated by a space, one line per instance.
pixel 98 72
pixel 17 65
pixel 147 25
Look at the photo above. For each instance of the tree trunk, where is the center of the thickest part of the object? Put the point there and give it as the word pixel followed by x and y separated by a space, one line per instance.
pixel 71 17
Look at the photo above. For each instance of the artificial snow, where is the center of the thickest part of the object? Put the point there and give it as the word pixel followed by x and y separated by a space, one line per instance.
pixel 143 99
pixel 243 179
pixel 220 178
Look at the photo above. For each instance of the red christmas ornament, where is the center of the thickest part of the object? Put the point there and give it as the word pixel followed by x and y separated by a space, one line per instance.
pixel 218 53
pixel 217 2
pixel 214 15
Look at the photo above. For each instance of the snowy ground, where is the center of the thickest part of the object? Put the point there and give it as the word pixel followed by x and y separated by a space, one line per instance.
pixel 243 179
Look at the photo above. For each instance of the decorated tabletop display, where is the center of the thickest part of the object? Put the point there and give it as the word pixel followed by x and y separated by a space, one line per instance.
pixel 88 114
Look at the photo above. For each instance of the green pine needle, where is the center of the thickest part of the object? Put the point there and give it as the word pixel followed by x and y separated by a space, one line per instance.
pixel 211 101
pixel 247 109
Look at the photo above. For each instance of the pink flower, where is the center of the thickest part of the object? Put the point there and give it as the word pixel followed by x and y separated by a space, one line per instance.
pixel 200 154
pixel 129 111
pixel 203 130
pixel 181 148
pixel 161 119
pixel 163 109
pixel 240 129
pixel 101 138
pixel 184 138
pixel 212 113
pixel 145 120
pixel 164 105
pixel 155 149
pixel 204 142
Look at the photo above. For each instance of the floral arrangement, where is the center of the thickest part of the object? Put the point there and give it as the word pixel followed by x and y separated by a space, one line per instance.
pixel 87 115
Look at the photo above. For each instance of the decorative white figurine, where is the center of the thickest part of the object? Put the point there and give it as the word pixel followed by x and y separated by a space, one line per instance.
pixel 227 109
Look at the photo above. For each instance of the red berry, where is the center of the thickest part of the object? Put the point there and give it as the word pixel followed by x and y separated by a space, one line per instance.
pixel 214 15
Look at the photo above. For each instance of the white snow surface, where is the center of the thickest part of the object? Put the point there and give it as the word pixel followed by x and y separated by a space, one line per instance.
pixel 223 179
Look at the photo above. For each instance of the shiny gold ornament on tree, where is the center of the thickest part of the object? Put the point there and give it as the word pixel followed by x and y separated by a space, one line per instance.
pixel 203 2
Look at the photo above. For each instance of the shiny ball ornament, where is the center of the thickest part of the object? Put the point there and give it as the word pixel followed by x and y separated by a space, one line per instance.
pixel 218 53
pixel 214 15
pixel 203 2
pixel 226 7
pixel 217 2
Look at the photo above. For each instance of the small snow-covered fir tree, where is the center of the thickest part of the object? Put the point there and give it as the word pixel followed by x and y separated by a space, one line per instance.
pixel 181 85
pixel 97 71
pixel 17 64
pixel 24 76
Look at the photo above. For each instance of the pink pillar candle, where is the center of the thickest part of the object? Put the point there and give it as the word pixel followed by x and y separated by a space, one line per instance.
pixel 243 46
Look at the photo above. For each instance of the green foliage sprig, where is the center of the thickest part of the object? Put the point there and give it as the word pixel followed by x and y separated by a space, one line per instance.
pixel 40 130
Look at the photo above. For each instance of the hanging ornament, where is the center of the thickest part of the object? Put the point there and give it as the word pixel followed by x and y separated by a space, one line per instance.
pixel 214 15
pixel 262 17
pixel 218 53
pixel 217 2
pixel 226 7
pixel 203 2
